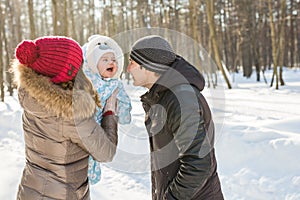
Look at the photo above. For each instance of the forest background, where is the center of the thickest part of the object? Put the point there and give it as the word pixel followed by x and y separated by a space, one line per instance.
pixel 239 35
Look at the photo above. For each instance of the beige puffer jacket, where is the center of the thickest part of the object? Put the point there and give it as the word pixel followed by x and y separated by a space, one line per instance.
pixel 60 133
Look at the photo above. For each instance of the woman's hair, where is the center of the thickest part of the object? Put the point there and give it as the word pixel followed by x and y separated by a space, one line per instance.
pixel 81 82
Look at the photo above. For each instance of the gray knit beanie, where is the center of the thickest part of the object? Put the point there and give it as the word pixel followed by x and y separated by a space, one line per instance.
pixel 154 53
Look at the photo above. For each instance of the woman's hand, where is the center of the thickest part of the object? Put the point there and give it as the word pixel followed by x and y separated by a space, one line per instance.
pixel 110 120
pixel 111 103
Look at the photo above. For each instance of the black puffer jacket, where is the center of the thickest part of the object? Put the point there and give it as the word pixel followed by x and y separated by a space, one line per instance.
pixel 181 134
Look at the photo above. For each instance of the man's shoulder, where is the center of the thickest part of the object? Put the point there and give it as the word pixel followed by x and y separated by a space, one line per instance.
pixel 185 94
pixel 182 93
pixel 182 88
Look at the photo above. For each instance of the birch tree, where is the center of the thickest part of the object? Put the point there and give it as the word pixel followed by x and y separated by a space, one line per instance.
pixel 210 11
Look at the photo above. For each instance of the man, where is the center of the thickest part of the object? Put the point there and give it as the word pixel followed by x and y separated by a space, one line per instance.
pixel 178 121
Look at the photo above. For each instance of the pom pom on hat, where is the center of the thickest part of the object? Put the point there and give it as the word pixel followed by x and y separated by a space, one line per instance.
pixel 97 46
pixel 57 57
pixel 26 52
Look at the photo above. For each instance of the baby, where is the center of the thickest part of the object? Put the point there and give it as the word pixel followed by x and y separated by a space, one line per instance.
pixel 103 64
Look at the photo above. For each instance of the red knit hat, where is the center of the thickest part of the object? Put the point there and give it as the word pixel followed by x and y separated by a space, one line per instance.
pixel 55 56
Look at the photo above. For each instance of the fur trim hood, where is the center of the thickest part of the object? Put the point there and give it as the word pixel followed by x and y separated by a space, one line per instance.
pixel 69 104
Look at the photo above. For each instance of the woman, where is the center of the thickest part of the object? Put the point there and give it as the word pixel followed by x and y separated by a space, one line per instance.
pixel 60 132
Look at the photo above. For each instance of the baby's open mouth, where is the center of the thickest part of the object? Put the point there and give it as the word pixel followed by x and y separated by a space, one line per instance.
pixel 110 69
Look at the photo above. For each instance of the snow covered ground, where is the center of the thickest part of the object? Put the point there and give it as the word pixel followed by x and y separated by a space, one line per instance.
pixel 257 144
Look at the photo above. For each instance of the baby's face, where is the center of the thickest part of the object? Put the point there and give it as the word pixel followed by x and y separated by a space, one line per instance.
pixel 107 65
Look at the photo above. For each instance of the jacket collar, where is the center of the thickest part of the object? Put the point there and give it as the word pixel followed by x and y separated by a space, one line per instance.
pixel 77 104
pixel 180 72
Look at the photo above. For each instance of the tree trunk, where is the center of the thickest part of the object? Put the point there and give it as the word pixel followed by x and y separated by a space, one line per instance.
pixel 73 27
pixel 65 18
pixel 194 31
pixel 282 41
pixel 2 29
pixel 274 52
pixel 113 20
pixel 210 11
pixel 54 17
pixel 292 36
pixel 31 19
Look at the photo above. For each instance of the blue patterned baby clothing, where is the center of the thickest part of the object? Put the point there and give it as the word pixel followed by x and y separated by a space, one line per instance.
pixel 105 88
pixel 94 171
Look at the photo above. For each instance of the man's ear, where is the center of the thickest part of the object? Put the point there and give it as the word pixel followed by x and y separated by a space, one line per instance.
pixel 155 74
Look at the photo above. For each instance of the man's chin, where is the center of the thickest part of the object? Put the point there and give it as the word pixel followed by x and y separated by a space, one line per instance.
pixel 135 84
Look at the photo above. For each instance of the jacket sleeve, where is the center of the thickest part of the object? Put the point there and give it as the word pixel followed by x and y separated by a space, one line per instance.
pixel 186 122
pixel 99 141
